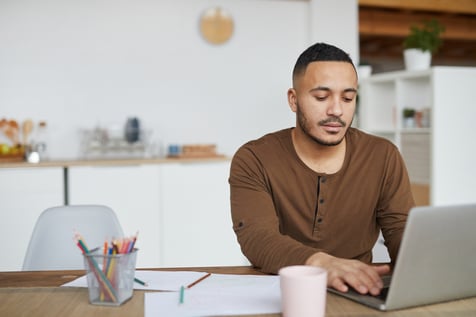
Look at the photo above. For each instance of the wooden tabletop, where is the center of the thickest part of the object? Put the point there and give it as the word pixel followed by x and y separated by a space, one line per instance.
pixel 58 278
pixel 39 294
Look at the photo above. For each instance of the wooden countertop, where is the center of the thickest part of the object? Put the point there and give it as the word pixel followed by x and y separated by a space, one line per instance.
pixel 112 162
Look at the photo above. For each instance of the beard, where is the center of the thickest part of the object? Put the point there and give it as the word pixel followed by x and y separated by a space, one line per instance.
pixel 306 127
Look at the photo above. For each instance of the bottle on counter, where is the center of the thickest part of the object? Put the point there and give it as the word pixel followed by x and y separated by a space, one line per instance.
pixel 40 140
pixel 132 130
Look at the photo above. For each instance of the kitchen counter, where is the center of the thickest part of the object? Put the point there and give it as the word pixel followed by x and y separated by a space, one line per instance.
pixel 112 162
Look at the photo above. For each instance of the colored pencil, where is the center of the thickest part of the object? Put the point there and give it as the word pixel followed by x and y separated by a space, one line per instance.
pixel 199 280
pixel 182 295
pixel 132 244
pixel 141 282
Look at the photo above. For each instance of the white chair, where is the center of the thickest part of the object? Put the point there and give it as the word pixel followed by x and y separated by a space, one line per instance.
pixel 52 245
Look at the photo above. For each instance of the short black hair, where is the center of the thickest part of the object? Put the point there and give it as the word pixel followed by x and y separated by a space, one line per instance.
pixel 319 52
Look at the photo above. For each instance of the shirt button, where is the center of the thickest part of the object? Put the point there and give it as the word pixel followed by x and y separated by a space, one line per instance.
pixel 321 201
pixel 319 220
pixel 323 179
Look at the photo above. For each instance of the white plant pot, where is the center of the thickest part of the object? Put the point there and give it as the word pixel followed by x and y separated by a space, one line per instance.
pixel 364 71
pixel 416 59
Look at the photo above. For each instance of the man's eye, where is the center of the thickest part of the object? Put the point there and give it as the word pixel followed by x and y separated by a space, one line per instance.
pixel 348 98
pixel 321 98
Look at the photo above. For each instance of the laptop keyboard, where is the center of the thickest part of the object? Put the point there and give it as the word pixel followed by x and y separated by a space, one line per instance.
pixel 383 293
pixel 386 285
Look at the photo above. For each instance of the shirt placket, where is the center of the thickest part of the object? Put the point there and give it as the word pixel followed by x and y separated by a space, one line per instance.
pixel 320 212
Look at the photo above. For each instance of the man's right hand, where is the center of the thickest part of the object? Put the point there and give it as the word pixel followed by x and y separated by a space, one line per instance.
pixel 342 273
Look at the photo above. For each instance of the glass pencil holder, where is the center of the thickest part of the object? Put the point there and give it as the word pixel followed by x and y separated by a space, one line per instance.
pixel 110 277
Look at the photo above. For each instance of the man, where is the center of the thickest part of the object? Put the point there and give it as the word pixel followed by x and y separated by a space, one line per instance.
pixel 319 193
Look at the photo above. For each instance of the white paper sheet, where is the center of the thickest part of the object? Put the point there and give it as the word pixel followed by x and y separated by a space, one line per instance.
pixel 220 294
pixel 156 280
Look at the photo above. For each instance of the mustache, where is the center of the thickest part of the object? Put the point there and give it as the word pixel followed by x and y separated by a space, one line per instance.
pixel 332 120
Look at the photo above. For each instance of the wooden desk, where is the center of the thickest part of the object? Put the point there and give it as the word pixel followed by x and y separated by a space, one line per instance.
pixel 38 294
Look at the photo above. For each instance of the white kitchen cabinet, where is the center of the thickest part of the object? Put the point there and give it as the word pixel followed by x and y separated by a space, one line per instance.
pixel 25 193
pixel 132 191
pixel 181 209
pixel 439 154
pixel 197 228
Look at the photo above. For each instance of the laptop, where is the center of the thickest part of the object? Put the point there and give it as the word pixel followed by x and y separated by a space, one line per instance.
pixel 436 261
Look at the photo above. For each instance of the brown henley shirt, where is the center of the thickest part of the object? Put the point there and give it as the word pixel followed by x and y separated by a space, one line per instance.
pixel 283 212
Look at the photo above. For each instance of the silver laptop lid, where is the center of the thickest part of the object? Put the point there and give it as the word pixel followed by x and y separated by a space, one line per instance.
pixel 437 258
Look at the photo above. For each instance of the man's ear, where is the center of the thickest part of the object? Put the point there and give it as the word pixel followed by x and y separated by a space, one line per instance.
pixel 292 99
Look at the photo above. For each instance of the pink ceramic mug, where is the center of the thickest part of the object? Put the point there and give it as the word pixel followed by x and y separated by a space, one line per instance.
pixel 303 291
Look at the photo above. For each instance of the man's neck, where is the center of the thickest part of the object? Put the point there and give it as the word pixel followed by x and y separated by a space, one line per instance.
pixel 320 158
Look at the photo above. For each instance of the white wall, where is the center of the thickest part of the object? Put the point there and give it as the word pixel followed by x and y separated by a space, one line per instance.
pixel 77 64
pixel 337 23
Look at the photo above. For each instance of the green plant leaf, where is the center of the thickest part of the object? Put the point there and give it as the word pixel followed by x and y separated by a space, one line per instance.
pixel 426 37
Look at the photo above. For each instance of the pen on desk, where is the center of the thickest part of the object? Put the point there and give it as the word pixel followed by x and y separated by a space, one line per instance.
pixel 140 282
pixel 199 280
pixel 182 295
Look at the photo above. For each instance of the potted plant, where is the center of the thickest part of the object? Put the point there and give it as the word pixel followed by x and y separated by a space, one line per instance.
pixel 364 69
pixel 421 44
pixel 408 118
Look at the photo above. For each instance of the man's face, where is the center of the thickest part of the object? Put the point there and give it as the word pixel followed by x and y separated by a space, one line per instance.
pixel 324 100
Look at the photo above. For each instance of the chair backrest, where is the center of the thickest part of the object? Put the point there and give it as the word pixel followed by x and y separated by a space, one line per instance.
pixel 52 244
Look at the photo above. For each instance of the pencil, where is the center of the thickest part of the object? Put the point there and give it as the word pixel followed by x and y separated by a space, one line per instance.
pixel 199 280
pixel 182 295
pixel 104 266
pixel 134 239
pixel 141 282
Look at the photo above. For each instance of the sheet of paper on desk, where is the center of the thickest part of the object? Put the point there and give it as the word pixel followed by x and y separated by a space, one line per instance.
pixel 220 294
pixel 156 280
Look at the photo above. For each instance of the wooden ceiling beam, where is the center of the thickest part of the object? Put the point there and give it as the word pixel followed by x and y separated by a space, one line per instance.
pixel 454 6
pixel 383 25
pixel 381 22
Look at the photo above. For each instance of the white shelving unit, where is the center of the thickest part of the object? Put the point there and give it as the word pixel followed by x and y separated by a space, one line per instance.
pixel 440 156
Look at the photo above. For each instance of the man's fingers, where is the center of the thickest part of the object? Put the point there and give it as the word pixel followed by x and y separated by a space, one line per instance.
pixel 371 277
pixel 345 273
pixel 382 269
pixel 355 278
pixel 361 277
pixel 363 283
pixel 339 285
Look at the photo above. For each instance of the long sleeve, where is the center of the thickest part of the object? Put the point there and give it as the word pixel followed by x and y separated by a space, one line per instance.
pixel 255 220
pixel 394 203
